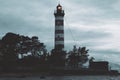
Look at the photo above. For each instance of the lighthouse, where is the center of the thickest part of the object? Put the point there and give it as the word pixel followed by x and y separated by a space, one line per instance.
pixel 59 28
pixel 58 53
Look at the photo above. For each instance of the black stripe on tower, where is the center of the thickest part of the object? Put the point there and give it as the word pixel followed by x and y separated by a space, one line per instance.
pixel 59 22
pixel 59 39
pixel 59 13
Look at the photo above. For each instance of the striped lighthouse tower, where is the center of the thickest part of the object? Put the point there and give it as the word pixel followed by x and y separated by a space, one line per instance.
pixel 59 28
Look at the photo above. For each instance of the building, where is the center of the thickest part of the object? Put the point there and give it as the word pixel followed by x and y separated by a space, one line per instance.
pixel 59 28
pixel 99 66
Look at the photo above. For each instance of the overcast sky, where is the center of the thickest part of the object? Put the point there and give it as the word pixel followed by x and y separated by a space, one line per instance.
pixel 91 23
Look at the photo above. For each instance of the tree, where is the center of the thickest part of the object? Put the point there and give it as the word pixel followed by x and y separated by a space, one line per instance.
pixel 13 45
pixel 77 57
pixel 8 48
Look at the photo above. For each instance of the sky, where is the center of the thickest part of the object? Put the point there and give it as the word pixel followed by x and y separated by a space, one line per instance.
pixel 90 23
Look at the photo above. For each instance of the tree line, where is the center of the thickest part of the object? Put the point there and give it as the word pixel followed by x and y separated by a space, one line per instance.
pixel 17 50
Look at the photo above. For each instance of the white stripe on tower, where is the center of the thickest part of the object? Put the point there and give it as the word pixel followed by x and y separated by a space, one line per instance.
pixel 58 18
pixel 59 28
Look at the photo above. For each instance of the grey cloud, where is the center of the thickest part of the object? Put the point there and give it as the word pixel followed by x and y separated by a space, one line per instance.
pixel 83 35
pixel 104 4
pixel 101 10
pixel 109 51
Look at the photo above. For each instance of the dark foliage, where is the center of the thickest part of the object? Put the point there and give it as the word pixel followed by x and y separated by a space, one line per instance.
pixel 14 47
pixel 18 51
pixel 57 58
pixel 77 57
